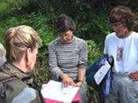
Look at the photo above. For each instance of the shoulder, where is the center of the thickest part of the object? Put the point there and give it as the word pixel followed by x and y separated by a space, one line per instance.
pixel 2 50
pixel 16 89
pixel 9 84
pixel 7 73
pixel 111 35
pixel 80 41
pixel 134 37
pixel 20 92
pixel 26 95
pixel 54 42
pixel 1 46
pixel 134 34
pixel 4 72
pixel 6 77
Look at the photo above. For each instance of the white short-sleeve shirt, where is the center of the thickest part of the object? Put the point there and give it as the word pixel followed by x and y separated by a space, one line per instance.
pixel 124 51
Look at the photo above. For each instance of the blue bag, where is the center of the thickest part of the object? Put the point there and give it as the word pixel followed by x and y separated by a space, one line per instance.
pixel 93 68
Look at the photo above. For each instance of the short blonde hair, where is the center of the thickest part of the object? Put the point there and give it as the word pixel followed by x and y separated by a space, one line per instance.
pixel 19 38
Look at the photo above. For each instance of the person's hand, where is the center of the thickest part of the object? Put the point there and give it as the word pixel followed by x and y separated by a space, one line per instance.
pixel 67 81
pixel 79 84
pixel 134 76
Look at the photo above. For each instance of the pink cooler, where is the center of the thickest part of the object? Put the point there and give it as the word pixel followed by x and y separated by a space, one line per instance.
pixel 75 100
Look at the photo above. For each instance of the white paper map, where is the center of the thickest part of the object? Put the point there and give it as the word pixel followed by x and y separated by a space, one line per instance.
pixel 54 90
pixel 100 74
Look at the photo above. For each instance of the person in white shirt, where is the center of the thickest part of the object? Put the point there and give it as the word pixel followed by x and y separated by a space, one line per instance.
pixel 2 55
pixel 122 44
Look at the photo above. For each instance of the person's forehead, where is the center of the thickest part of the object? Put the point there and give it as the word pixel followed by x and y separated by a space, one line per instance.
pixel 65 33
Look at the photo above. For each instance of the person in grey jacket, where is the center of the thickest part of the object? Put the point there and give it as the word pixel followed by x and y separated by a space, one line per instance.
pixel 22 43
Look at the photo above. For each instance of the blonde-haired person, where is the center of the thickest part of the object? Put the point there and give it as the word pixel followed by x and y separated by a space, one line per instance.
pixel 22 43
pixel 2 55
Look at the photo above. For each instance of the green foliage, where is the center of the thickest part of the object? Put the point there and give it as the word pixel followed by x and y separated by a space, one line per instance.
pixel 96 24
pixel 41 23
pixel 10 6
pixel 94 52
pixel 42 73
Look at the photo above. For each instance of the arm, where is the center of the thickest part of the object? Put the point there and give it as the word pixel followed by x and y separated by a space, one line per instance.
pixel 82 63
pixel 66 80
pixel 55 69
pixel 53 60
pixel 134 76
pixel 81 76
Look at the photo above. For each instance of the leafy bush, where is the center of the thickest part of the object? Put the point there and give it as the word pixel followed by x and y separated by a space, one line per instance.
pixel 94 52
pixel 11 7
pixel 41 23
pixel 96 24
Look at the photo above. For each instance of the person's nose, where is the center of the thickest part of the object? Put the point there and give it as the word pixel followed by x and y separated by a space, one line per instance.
pixel 64 37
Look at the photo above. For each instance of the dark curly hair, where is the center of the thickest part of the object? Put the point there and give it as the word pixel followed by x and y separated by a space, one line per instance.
pixel 64 23
pixel 122 14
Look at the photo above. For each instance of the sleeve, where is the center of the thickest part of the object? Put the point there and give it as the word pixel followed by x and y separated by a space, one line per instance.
pixel 27 95
pixel 83 55
pixel 53 60
pixel 2 55
pixel 16 91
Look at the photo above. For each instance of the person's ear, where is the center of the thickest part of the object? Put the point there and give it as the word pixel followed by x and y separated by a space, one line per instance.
pixel 27 57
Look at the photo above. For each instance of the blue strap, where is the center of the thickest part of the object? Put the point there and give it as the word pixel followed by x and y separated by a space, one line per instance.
pixel 107 84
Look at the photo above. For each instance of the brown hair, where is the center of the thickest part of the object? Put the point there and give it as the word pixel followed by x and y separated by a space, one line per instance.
pixel 122 14
pixel 64 23
pixel 19 38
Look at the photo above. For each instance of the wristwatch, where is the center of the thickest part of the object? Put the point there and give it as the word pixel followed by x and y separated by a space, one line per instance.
pixel 80 81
